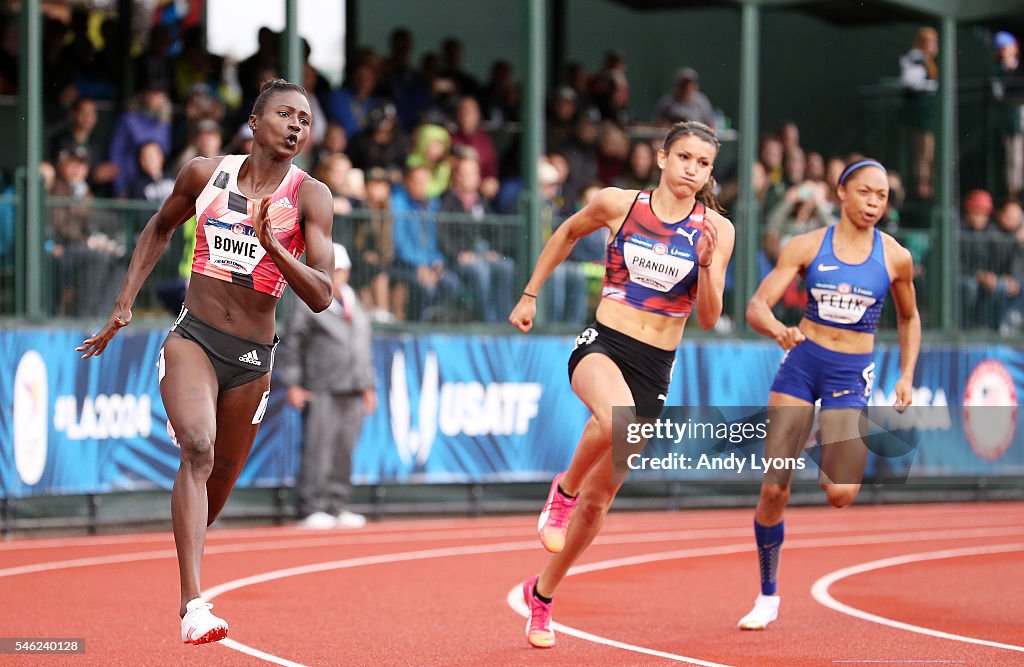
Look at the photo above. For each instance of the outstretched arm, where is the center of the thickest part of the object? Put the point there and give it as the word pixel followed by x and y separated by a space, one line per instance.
pixel 607 209
pixel 793 257
pixel 176 209
pixel 908 323
pixel 311 281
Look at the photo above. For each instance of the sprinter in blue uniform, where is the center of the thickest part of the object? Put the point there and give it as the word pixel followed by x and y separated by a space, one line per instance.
pixel 848 269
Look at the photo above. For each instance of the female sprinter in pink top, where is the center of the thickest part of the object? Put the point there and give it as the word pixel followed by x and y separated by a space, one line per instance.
pixel 667 257
pixel 256 215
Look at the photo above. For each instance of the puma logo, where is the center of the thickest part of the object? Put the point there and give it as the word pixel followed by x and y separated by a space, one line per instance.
pixel 689 234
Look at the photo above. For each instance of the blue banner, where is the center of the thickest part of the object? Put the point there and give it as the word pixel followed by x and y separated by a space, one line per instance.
pixel 451 408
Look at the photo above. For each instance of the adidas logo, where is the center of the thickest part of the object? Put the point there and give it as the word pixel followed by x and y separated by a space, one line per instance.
pixel 283 201
pixel 251 358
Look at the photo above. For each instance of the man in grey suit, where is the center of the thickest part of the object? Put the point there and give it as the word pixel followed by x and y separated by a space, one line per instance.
pixel 327 364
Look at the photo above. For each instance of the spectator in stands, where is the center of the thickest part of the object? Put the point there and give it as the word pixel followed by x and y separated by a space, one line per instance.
pixel 561 122
pixel 685 101
pixel 789 135
pixel 612 153
pixel 350 105
pixel 195 65
pixel 609 88
pixel 382 143
pixel 815 167
pixel 79 138
pixel 420 265
pixel 468 133
pixel 804 208
pixel 373 245
pixel 206 142
pixel 465 83
pixel 155 62
pixel 335 141
pixel 400 82
pixel 1008 88
pixel 565 291
pixel 86 258
pixel 252 71
pixel 581 154
pixel 979 283
pixel 151 183
pixel 241 144
pixel 431 143
pixel 333 172
pixel 770 156
pixel 1008 263
pixel 919 74
pixel 794 166
pixel 477 251
pixel 641 168
pixel 501 96
pixel 148 120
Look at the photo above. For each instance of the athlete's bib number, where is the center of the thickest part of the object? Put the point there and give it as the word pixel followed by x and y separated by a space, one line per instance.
pixel 841 306
pixel 654 264
pixel 234 248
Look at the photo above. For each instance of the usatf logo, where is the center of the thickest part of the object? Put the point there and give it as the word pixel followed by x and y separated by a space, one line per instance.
pixel 456 409
pixel 843 288
pixel 413 442
pixel 660 248
pixel 238 228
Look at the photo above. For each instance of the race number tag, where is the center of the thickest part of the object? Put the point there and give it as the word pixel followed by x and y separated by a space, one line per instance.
pixel 655 264
pixel 233 246
pixel 842 305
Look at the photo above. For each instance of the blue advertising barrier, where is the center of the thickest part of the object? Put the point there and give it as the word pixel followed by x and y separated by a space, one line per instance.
pixel 452 408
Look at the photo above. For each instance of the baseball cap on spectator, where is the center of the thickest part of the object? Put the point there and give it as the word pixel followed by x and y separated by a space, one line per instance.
pixel 341 259
pixel 1004 39
pixel 377 174
pixel 244 132
pixel 547 174
pixel 979 201
pixel 76 153
pixel 566 93
pixel 208 125
pixel 687 74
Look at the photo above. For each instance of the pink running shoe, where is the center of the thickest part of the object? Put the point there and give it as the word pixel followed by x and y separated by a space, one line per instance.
pixel 538 626
pixel 554 520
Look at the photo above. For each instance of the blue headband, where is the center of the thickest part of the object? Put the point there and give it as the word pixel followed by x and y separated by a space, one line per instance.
pixel 857 165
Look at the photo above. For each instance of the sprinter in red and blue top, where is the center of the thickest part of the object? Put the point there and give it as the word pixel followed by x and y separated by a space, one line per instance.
pixel 667 258
pixel 848 269
pixel 257 214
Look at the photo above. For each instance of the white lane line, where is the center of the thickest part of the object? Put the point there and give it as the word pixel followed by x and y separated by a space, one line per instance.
pixel 425 554
pixel 819 591
pixel 256 653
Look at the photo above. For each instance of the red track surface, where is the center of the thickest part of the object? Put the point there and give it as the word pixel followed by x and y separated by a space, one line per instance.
pixel 434 592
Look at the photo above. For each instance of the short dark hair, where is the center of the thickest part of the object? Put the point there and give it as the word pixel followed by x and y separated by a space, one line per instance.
pixel 272 87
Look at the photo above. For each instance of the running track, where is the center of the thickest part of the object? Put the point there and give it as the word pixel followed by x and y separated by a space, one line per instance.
pixel 901 585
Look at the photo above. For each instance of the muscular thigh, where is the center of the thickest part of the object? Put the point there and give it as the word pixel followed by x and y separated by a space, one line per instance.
pixel 188 387
pixel 844 452
pixel 789 426
pixel 237 410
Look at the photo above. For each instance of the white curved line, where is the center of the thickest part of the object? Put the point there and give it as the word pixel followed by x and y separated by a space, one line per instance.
pixel 256 653
pixel 515 600
pixel 819 591
pixel 425 554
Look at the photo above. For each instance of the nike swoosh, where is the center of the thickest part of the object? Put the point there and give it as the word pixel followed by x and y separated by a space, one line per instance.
pixel 837 394
pixel 543 519
pixel 823 267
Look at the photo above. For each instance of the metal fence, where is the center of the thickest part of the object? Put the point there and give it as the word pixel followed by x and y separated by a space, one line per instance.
pixel 88 244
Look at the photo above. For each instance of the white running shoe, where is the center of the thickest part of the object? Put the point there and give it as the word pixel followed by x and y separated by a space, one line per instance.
pixel 319 521
pixel 348 519
pixel 199 626
pixel 766 610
